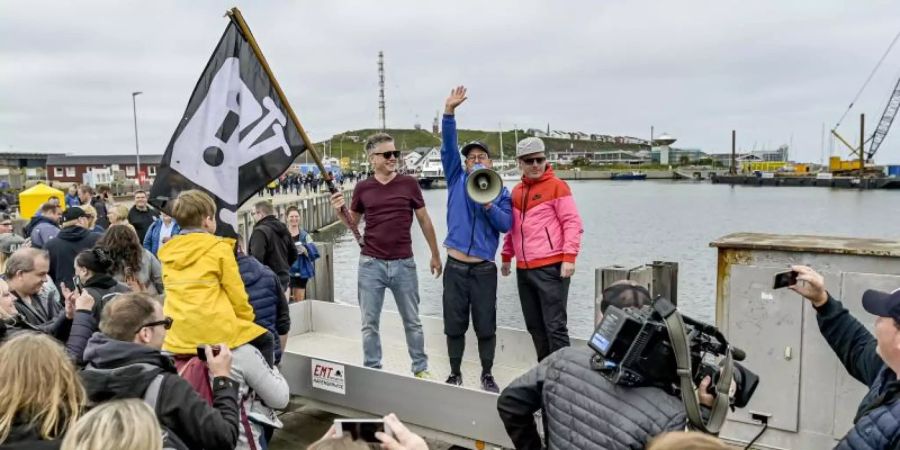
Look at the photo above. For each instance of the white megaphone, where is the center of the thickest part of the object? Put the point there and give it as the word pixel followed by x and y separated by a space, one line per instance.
pixel 484 185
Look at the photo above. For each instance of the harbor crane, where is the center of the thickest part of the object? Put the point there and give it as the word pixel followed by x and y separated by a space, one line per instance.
pixel 881 131
pixel 861 156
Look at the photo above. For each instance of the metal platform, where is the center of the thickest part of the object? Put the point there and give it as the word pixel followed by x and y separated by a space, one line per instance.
pixel 329 333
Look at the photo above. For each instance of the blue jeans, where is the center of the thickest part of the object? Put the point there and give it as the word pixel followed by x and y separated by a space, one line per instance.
pixel 400 277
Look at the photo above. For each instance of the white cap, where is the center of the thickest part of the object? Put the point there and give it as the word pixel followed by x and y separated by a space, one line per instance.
pixel 529 146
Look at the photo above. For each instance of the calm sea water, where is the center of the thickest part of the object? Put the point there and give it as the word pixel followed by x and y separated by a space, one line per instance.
pixel 631 223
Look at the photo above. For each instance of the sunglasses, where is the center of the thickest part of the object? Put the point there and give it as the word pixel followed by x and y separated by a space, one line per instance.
pixel 478 157
pixel 166 323
pixel 530 161
pixel 388 155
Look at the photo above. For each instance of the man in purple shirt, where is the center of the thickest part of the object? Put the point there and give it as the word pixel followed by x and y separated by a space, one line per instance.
pixel 388 201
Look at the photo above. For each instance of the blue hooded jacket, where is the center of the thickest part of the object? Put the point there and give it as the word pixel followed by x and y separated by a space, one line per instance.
pixel 472 229
pixel 151 239
pixel 266 294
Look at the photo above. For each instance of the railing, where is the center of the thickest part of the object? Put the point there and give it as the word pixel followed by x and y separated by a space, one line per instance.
pixel 315 213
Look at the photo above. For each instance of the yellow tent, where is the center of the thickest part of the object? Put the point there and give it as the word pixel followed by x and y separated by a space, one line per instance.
pixel 31 199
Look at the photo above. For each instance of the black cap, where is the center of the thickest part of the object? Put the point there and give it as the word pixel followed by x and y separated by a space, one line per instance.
pixel 73 213
pixel 882 304
pixel 475 144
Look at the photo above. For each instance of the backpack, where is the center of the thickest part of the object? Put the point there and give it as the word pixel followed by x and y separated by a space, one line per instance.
pixel 171 441
pixel 196 373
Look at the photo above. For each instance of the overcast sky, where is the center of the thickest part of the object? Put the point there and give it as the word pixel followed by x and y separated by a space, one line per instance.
pixel 773 70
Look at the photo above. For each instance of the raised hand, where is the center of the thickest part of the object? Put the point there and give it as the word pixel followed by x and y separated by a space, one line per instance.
pixel 457 96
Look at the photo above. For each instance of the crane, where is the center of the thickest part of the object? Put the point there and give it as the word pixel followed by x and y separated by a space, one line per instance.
pixel 881 131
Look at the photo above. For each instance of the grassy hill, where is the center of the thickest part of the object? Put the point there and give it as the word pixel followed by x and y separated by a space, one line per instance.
pixel 408 139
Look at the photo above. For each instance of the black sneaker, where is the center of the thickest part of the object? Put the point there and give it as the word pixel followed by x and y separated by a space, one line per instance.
pixel 454 379
pixel 488 383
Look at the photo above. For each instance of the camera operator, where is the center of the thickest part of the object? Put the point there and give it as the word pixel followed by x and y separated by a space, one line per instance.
pixel 873 360
pixel 582 408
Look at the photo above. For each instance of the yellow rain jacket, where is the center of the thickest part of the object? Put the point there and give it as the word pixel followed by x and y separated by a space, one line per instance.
pixel 204 294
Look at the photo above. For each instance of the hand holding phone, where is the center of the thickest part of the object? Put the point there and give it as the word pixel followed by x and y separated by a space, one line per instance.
pixel 361 429
pixel 785 279
pixel 201 351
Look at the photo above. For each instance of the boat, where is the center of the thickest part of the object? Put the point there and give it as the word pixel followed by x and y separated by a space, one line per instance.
pixel 510 176
pixel 633 175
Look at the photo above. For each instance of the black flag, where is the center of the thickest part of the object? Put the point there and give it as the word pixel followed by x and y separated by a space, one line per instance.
pixel 235 136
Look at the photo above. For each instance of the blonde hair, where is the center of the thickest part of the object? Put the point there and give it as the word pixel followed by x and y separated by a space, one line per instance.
pixel 91 211
pixel 191 207
pixel 121 215
pixel 116 425
pixel 40 385
pixel 685 440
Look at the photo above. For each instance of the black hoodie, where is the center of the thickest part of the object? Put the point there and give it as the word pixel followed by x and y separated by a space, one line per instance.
pixel 272 245
pixel 64 248
pixel 121 370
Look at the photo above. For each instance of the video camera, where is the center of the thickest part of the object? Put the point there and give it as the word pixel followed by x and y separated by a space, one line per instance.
pixel 657 346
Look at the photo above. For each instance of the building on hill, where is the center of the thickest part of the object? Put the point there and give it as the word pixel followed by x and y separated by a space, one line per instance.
pixel 602 157
pixel 411 159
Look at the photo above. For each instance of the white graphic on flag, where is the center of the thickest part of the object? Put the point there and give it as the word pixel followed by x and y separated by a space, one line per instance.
pixel 210 151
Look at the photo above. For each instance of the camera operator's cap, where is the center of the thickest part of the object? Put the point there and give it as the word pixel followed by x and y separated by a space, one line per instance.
pixel 10 242
pixel 882 304
pixel 73 213
pixel 529 146
pixel 475 144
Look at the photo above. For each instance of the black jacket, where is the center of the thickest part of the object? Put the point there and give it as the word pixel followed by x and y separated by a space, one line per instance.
pixel 584 410
pixel 103 288
pixel 877 421
pixel 141 220
pixel 119 370
pixel 102 216
pixel 23 436
pixel 272 245
pixel 63 249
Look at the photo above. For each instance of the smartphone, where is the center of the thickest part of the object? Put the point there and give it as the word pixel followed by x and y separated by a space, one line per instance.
pixel 201 351
pixel 361 429
pixel 785 279
pixel 76 281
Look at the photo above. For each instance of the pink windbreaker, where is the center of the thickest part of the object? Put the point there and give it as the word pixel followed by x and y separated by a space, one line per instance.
pixel 546 227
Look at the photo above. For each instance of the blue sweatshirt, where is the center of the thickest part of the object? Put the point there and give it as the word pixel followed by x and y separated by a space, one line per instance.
pixel 473 230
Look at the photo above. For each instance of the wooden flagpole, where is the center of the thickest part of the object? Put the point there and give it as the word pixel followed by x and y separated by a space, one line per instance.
pixel 235 15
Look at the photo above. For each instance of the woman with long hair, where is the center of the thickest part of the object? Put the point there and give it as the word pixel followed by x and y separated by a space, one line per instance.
pixel 116 425
pixel 93 272
pixel 41 396
pixel 132 263
pixel 302 241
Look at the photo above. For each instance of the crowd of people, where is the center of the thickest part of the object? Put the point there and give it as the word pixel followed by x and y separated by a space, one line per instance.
pixel 131 328
pixel 310 182
pixel 151 314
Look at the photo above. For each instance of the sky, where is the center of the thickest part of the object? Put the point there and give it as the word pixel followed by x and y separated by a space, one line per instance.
pixel 775 71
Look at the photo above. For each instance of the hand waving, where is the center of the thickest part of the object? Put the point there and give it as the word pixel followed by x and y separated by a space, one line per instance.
pixel 456 98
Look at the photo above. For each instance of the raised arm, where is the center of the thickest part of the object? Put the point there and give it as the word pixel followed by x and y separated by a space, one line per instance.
pixel 450 158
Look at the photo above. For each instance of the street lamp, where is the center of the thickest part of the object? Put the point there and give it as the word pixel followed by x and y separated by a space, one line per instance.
pixel 137 149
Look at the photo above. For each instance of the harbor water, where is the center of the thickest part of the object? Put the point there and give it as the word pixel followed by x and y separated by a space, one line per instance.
pixel 633 222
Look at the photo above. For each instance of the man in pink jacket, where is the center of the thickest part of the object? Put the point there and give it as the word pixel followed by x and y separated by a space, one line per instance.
pixel 545 239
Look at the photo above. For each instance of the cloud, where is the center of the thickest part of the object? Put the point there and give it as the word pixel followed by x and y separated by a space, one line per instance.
pixel 774 71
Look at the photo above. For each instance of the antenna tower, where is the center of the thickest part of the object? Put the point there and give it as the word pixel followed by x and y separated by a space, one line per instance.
pixel 381 89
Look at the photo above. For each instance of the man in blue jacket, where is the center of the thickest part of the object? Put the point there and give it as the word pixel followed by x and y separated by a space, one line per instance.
pixel 470 276
pixel 873 360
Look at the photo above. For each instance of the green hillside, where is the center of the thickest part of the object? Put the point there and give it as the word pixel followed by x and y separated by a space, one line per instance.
pixel 406 139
